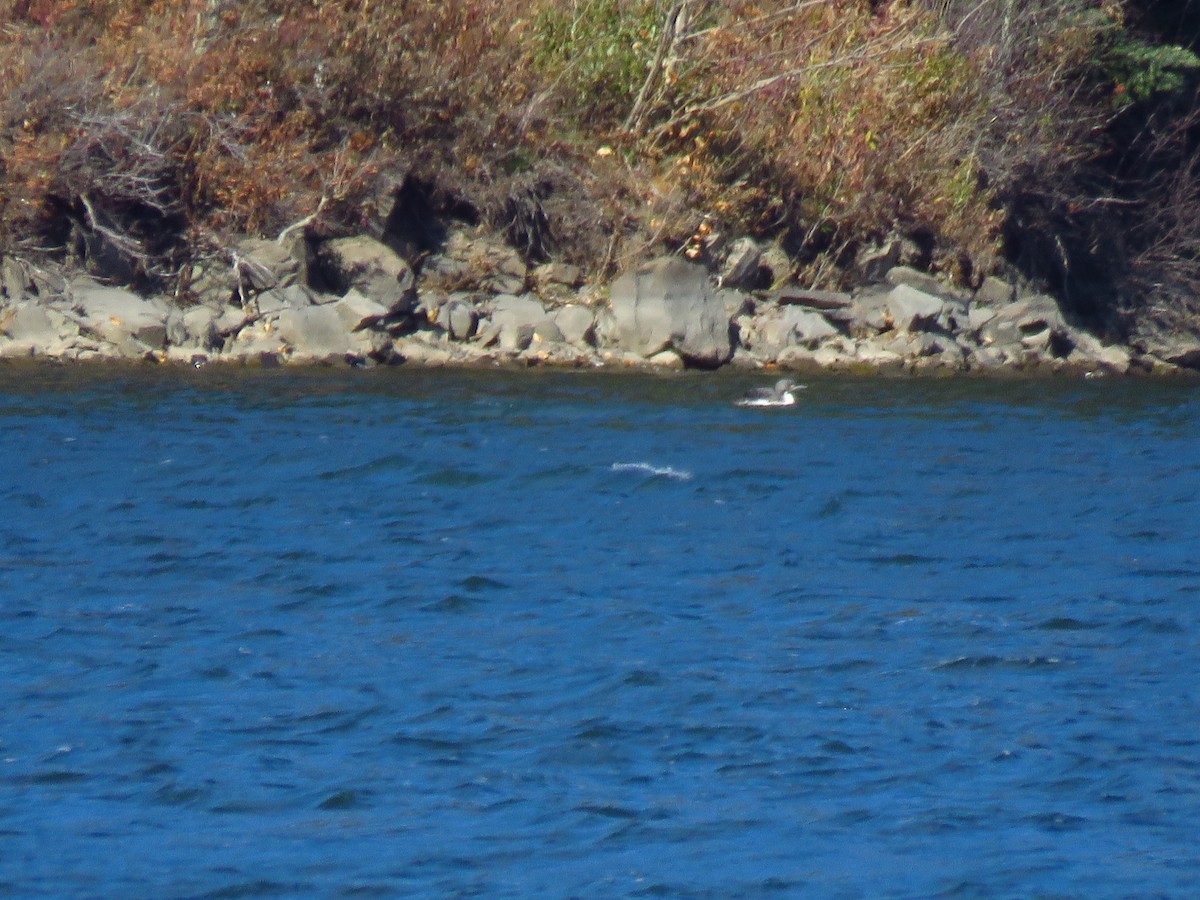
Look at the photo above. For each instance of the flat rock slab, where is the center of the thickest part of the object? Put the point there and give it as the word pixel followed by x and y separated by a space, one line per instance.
pixel 316 332
pixel 822 300
pixel 512 311
pixel 29 323
pixel 120 316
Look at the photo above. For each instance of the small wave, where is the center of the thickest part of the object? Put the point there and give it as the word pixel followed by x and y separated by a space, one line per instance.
pixel 655 471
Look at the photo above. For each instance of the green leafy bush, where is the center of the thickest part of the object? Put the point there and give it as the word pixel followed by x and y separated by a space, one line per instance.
pixel 597 52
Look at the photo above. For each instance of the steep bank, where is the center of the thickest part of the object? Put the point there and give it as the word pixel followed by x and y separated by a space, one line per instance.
pixel 1007 151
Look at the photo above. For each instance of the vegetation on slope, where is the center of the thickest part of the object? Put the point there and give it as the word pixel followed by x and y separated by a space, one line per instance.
pixel 1057 136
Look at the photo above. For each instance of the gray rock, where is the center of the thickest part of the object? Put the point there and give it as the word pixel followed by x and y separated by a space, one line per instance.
pixel 516 318
pixel 278 299
pixel 740 264
pixel 487 333
pixel 512 310
pixel 1090 351
pixel 1049 342
pixel 736 303
pixel 917 345
pixel 200 327
pixel 230 320
pixel 120 317
pixel 979 316
pixel 507 272
pixel 988 359
pixel 547 332
pixel 911 309
pixel 372 268
pixel 1033 313
pixel 514 338
pixel 459 319
pixel 955 317
pixel 557 273
pixel 358 311
pixel 871 353
pixel 790 327
pixel 809 328
pixel 826 301
pixel 576 323
pixel 669 303
pixel 475 261
pixel 1000 332
pixel 870 314
pixel 263 265
pixel 503 283
pixel 995 291
pixel 176 330
pixel 16 280
pixel 421 353
pixel 905 276
pixel 778 263
pixel 214 282
pixel 667 359
pixel 34 326
pixel 316 332
pixel 875 261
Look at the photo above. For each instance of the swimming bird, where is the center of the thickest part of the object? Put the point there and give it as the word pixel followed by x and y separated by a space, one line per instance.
pixel 782 394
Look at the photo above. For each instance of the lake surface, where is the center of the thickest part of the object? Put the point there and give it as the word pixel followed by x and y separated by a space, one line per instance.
pixel 396 633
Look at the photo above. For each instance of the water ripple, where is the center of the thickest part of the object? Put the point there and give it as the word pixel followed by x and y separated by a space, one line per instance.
pixel 416 634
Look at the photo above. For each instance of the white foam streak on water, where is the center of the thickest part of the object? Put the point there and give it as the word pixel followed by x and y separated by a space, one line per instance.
pixel 653 470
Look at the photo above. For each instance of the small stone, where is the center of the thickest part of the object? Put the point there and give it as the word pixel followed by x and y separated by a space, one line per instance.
pixel 546 332
pixel 667 359
pixel 557 273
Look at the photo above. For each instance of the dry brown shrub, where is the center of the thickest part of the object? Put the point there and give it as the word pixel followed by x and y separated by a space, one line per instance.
pixel 830 122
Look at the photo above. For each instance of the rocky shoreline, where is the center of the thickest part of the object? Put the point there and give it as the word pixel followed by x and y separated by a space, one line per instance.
pixel 475 301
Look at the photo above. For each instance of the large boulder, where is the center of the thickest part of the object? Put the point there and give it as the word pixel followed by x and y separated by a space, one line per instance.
pixel 369 266
pixel 513 322
pixel 27 327
pixel 131 323
pixel 577 324
pixel 460 319
pixel 358 311
pixel 911 309
pixel 772 333
pixel 510 311
pixel 669 304
pixel 316 332
pixel 16 282
pixel 741 264
pixel 262 265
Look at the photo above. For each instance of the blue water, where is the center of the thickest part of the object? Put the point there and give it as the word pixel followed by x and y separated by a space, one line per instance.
pixel 561 634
